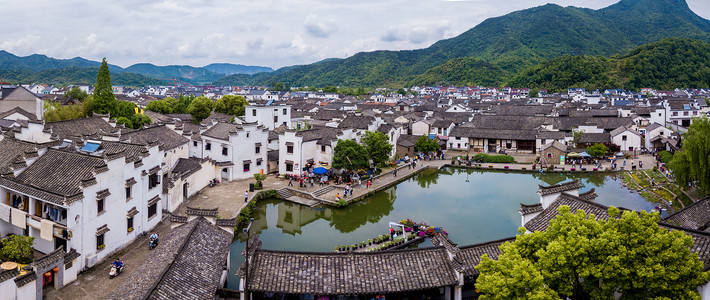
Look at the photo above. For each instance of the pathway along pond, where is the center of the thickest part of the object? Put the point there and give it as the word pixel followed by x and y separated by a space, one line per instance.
pixel 473 206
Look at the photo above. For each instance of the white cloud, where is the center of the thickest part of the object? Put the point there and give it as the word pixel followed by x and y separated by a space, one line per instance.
pixel 255 32
pixel 320 27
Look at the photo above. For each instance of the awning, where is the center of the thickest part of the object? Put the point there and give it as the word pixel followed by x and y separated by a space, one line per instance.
pixel 289 162
pixel 247 162
pixel 154 170
pixel 153 200
pixel 259 160
pixel 289 144
pixel 131 213
pixel 102 194
pixel 130 182
pixel 257 144
pixel 101 230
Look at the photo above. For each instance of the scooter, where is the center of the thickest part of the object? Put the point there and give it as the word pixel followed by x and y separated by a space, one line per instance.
pixel 115 271
pixel 152 243
pixel 213 182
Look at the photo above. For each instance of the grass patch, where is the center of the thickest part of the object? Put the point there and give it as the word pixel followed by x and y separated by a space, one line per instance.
pixel 657 176
pixel 640 179
pixel 629 181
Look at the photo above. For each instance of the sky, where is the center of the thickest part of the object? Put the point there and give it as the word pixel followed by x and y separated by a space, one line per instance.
pixel 251 32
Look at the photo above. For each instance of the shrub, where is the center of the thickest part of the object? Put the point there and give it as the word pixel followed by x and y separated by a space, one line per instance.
pixel 493 158
pixel 17 248
pixel 666 157
pixel 341 203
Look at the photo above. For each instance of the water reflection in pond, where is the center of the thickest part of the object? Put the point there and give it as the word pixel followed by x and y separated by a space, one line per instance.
pixel 473 206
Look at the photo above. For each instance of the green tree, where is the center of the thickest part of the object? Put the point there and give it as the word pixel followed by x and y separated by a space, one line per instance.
pixel 597 150
pixel 579 257
pixel 377 146
pixel 692 163
pixel 577 136
pixel 426 145
pixel 401 91
pixel 231 105
pixel 124 109
pixel 200 108
pixel 259 179
pixel 125 121
pixel 161 106
pixel 76 93
pixel 104 100
pixel 17 248
pixel 139 120
pixel 348 154
pixel 533 93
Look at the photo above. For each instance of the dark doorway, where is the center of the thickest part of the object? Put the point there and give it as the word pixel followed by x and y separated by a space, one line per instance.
pixel 184 190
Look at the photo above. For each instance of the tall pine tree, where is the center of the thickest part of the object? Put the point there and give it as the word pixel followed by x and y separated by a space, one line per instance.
pixel 104 100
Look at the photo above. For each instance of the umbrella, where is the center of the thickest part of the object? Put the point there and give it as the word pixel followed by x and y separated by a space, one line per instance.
pixel 320 170
pixel 573 154
pixel 585 154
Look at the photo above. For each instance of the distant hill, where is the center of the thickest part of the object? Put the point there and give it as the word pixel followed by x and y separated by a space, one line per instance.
pixel 75 75
pixel 666 64
pixel 230 69
pixel 193 75
pixel 38 62
pixel 513 42
pixel 188 74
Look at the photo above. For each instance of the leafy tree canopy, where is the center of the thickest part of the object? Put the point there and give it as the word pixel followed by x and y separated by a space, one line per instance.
pixel 161 106
pixel 579 257
pixel 692 163
pixel 76 93
pixel 17 248
pixel 124 109
pixel 200 108
pixel 377 146
pixel 348 154
pixel 231 105
pixel 104 100
pixel 597 150
pixel 139 120
pixel 426 145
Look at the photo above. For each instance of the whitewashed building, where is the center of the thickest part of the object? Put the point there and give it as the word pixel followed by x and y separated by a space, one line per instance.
pixel 269 116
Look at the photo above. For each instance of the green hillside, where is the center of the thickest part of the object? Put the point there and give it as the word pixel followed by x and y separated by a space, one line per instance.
pixel 513 42
pixel 74 75
pixel 666 64
pixel 182 73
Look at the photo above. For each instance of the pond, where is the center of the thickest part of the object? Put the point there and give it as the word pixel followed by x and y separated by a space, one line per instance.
pixel 473 206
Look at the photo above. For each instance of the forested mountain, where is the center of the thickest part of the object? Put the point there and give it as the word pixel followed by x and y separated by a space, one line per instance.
pixel 666 64
pixel 38 62
pixel 229 69
pixel 513 42
pixel 27 66
pixel 75 75
pixel 188 74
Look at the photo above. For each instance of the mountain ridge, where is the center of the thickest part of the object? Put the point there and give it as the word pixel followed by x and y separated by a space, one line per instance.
pixel 514 42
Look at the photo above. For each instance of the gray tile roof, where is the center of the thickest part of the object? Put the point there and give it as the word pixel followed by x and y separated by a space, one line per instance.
pixel 350 273
pixel 186 166
pixel 356 122
pixel 222 131
pixel 60 172
pixel 14 153
pixel 471 255
pixel 79 129
pixel 695 216
pixel 541 221
pixel 167 138
pixel 558 188
pixel 187 264
pixel 526 209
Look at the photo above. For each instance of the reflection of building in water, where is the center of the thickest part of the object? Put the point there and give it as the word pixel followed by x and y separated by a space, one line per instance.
pixel 294 216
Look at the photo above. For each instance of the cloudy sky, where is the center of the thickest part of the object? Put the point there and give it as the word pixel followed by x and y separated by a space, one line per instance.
pixel 252 32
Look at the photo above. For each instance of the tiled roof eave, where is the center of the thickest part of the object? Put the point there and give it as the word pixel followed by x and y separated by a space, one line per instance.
pixel 39 193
